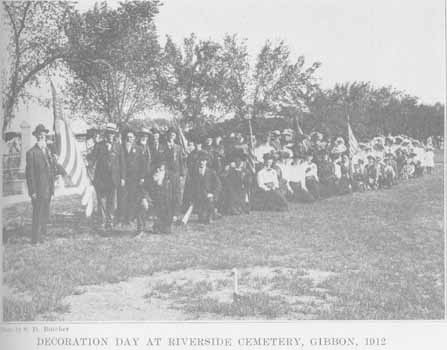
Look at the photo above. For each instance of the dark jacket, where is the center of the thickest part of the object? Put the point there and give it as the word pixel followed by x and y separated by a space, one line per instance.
pixel 175 161
pixel 201 185
pixel 109 166
pixel 40 172
pixel 156 152
pixel 135 163
pixel 147 156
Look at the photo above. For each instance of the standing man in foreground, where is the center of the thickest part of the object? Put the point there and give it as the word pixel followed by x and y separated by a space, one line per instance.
pixel 110 174
pixel 40 177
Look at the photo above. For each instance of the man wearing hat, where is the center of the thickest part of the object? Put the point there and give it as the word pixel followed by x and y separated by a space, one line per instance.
pixel 40 175
pixel 143 142
pixel 205 189
pixel 110 174
pixel 155 146
pixel 92 137
pixel 175 164
pixel 135 165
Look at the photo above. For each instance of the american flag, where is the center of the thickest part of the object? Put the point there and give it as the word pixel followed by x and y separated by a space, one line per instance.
pixel 69 156
pixel 354 147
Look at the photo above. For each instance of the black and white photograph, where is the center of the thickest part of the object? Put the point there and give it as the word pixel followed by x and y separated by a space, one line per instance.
pixel 237 160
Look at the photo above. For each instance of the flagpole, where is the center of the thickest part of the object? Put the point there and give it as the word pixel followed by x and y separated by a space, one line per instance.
pixel 250 128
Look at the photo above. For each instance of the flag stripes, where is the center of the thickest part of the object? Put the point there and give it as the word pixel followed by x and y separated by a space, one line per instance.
pixel 69 154
pixel 354 147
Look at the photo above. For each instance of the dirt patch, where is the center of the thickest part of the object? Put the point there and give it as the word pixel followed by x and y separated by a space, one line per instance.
pixel 197 294
pixel 122 301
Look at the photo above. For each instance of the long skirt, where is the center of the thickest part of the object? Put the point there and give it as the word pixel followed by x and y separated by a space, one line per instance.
pixel 300 195
pixel 269 201
pixel 344 186
pixel 328 188
pixel 313 186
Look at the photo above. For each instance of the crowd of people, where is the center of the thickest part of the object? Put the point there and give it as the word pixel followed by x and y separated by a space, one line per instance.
pixel 166 177
pixel 163 175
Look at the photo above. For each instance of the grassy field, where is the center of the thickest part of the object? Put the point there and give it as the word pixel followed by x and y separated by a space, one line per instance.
pixel 375 255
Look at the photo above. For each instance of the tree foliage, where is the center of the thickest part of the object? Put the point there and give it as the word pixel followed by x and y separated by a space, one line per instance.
pixel 36 42
pixel 372 111
pixel 114 62
pixel 204 80
pixel 281 86
pixel 191 81
pixel 117 71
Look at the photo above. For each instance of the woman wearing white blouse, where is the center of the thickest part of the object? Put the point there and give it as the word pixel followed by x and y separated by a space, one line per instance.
pixel 268 197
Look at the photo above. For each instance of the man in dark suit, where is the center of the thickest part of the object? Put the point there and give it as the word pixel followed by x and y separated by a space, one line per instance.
pixel 175 164
pixel 110 174
pixel 143 142
pixel 205 187
pixel 40 175
pixel 155 147
pixel 135 165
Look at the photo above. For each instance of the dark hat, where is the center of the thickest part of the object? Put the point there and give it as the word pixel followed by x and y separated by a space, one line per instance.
pixel 91 133
pixel 268 156
pixel 155 131
pixel 371 157
pixel 171 129
pixel 203 156
pixel 284 154
pixel 40 129
pixel 335 156
pixel 308 154
pixel 11 134
pixel 235 157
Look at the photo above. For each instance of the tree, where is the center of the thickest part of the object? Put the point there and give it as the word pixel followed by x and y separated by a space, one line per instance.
pixel 36 43
pixel 282 87
pixel 373 111
pixel 276 85
pixel 205 80
pixel 191 81
pixel 114 61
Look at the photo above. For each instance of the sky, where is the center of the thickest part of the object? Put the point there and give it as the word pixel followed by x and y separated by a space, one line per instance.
pixel 387 42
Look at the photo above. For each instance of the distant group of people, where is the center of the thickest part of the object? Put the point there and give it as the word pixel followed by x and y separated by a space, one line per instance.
pixel 143 174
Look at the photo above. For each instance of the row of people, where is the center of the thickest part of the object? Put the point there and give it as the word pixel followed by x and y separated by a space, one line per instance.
pixel 135 171
pixel 234 175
